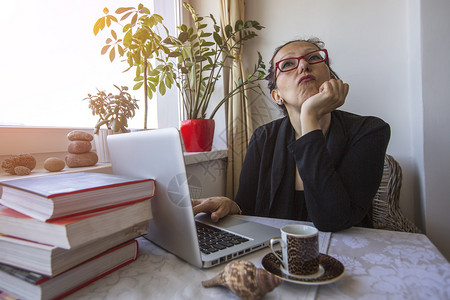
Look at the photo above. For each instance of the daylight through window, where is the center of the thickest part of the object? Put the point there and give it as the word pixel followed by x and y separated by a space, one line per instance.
pixel 51 60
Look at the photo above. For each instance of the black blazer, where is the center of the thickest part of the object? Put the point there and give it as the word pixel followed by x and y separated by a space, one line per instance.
pixel 341 171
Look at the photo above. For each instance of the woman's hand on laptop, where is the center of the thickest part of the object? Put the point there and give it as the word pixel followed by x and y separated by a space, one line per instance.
pixel 218 207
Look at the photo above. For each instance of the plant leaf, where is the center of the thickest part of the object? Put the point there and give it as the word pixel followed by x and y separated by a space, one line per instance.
pixel 105 49
pixel 127 39
pixel 217 38
pixel 121 50
pixel 168 80
pixel 150 92
pixel 134 20
pixel 239 25
pixel 168 40
pixel 228 30
pixel 112 54
pixel 174 54
pixel 208 44
pixel 111 18
pixel 126 16
pixel 158 18
pixel 121 10
pixel 99 25
pixel 138 85
pixel 183 36
pixel 162 88
pixel 199 58
pixel 257 26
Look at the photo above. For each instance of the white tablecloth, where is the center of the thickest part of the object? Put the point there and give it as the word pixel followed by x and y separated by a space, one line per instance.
pixel 378 264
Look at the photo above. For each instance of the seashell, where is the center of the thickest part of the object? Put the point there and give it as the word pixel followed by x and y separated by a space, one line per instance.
pixel 22 171
pixel 245 280
pixel 25 160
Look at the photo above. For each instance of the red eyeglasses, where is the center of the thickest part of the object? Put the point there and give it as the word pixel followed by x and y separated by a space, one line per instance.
pixel 291 63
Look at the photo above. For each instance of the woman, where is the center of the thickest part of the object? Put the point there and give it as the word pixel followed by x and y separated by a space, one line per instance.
pixel 316 164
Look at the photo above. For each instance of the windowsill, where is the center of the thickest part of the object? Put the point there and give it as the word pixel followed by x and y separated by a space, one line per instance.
pixel 99 168
pixel 190 158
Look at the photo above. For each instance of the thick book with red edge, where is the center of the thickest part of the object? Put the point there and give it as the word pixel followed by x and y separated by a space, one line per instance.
pixel 29 285
pixel 50 260
pixel 55 196
pixel 75 231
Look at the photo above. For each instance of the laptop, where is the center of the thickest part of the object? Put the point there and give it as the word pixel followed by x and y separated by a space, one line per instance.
pixel 158 154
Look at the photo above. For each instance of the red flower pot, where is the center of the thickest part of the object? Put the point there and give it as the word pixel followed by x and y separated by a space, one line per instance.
pixel 197 134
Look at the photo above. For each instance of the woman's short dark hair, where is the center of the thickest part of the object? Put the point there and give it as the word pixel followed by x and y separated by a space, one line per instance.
pixel 271 73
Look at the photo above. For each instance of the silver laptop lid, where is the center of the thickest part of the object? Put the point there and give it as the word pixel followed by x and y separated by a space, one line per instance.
pixel 139 154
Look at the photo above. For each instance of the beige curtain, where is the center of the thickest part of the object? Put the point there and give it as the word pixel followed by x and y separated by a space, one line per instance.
pixel 239 123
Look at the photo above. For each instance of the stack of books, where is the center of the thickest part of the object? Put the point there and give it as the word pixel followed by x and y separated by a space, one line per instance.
pixel 60 233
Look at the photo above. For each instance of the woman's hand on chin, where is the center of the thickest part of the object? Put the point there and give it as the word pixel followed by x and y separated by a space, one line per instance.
pixel 331 95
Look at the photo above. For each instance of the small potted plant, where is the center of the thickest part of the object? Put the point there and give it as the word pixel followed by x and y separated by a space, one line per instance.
pixel 113 111
pixel 201 56
pixel 139 42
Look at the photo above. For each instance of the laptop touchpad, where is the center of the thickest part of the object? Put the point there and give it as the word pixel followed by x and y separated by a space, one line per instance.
pixel 226 222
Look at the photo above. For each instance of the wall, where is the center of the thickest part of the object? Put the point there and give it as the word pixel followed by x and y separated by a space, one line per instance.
pixel 436 109
pixel 415 96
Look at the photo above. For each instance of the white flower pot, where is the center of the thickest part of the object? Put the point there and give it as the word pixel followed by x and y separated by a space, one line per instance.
pixel 101 146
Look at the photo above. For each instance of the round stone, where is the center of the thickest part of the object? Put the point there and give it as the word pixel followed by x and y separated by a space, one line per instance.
pixel 78 135
pixel 77 147
pixel 54 164
pixel 81 160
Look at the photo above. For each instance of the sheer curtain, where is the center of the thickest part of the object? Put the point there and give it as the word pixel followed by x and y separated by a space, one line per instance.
pixel 239 123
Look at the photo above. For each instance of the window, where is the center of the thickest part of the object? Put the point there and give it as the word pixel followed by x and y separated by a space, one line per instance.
pixel 51 60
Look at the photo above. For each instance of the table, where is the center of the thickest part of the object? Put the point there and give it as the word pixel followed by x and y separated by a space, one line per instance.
pixel 379 264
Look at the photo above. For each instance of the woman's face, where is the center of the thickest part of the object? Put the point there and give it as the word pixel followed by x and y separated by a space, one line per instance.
pixel 297 85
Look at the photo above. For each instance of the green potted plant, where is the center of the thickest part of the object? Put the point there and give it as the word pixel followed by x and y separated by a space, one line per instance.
pixel 113 111
pixel 139 42
pixel 193 61
pixel 201 56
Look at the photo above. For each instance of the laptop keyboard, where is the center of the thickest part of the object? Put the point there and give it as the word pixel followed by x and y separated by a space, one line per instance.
pixel 212 239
